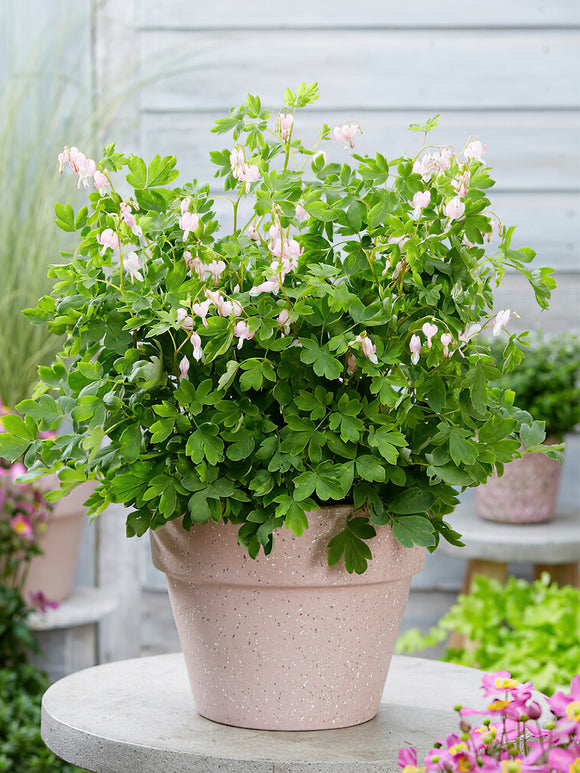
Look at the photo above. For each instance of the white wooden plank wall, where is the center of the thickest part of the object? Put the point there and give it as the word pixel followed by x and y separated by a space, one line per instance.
pixel 508 72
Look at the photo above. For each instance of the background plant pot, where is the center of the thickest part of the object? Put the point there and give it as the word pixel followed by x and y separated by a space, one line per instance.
pixel 53 572
pixel 284 642
pixel 525 493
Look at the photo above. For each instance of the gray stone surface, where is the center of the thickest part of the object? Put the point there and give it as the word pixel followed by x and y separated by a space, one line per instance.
pixel 138 716
pixel 553 542
pixel 82 607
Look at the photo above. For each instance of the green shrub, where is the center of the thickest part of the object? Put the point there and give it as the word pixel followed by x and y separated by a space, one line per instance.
pixel 531 630
pixel 22 750
pixel 547 381
pixel 21 747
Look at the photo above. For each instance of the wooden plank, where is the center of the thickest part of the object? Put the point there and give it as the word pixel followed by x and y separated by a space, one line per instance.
pixel 528 151
pixel 116 68
pixel 549 223
pixel 563 314
pixel 427 70
pixel 255 14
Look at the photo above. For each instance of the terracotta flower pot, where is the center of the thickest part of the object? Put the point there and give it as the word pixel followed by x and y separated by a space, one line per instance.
pixel 53 572
pixel 525 493
pixel 284 642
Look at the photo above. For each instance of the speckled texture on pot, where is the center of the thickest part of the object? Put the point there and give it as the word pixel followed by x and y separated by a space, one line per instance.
pixel 525 493
pixel 284 642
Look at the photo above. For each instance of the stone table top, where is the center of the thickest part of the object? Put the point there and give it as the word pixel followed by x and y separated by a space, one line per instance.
pixel 553 542
pixel 138 716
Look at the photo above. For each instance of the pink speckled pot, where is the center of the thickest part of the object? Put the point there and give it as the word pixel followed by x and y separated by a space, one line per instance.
pixel 525 493
pixel 284 642
pixel 53 572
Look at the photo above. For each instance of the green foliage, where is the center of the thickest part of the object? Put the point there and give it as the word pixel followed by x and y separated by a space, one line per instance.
pixel 16 641
pixel 22 750
pixel 546 380
pixel 255 374
pixel 21 688
pixel 531 630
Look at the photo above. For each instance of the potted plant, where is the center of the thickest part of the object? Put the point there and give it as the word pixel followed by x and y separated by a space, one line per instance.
pixel 314 369
pixel 546 382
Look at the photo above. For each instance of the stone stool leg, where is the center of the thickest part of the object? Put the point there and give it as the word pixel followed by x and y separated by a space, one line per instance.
pixel 561 574
pixel 476 567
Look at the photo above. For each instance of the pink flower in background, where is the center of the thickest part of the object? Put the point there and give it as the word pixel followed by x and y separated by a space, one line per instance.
pixel 367 348
pixel 301 213
pixel 454 209
pixel 226 308
pixel 194 264
pixel 41 603
pixel 565 760
pixel 79 163
pixel 470 331
pixel 188 222
pixel 101 182
pixel 568 708
pixel 215 268
pixel 183 367
pixel 433 163
pixel 421 200
pixel 501 320
pixel 241 170
pixel 201 310
pixel 127 215
pixel 129 218
pixel 284 125
pixel 196 344
pixel 345 133
pixel 185 319
pixel 108 239
pixel 242 333
pixel 429 331
pixel 22 526
pixel 289 249
pixel 184 204
pixel 132 264
pixel 282 320
pixel 16 470
pixel 461 183
pixel 237 308
pixel 251 174
pixel 446 339
pixel 408 760
pixel 474 150
pixel 415 347
pixel 269 286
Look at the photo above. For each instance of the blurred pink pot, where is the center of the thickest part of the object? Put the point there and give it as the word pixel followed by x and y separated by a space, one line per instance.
pixel 53 572
pixel 525 493
pixel 284 642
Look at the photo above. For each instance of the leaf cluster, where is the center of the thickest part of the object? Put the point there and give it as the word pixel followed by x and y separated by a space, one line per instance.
pixel 531 630
pixel 546 380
